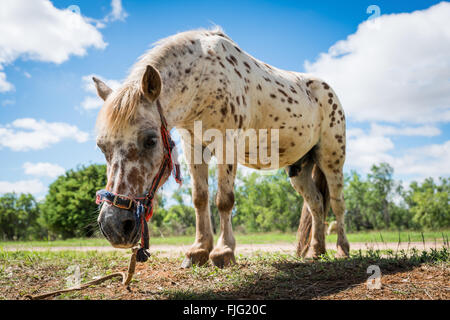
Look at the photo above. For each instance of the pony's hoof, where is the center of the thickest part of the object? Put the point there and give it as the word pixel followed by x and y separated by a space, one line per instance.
pixel 195 256
pixel 187 263
pixel 222 257
pixel 342 252
pixel 314 254
pixel 341 255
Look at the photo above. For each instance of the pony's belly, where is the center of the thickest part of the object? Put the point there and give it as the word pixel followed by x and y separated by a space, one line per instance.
pixel 286 156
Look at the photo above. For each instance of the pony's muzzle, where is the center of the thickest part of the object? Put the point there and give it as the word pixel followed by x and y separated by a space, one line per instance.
pixel 119 226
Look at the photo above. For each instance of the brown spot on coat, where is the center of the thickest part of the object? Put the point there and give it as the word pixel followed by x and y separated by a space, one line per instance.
pixel 232 107
pixel 134 178
pixel 224 110
pixel 280 84
pixel 132 153
pixel 230 61
pixel 282 92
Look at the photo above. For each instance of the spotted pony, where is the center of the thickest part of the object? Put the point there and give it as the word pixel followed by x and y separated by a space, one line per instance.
pixel 203 75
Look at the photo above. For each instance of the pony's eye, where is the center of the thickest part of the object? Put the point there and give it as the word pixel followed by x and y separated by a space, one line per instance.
pixel 150 142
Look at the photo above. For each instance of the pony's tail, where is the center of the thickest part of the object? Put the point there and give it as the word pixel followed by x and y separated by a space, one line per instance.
pixel 304 228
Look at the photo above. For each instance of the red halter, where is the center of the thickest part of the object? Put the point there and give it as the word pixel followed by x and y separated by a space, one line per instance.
pixel 167 162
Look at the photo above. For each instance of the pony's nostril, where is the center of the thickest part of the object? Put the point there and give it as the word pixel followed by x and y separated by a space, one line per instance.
pixel 128 226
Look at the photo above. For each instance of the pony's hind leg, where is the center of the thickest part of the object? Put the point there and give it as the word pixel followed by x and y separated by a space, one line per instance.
pixel 301 179
pixel 223 253
pixel 333 171
pixel 329 154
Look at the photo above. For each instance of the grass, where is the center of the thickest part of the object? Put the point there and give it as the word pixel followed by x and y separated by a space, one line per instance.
pixel 405 275
pixel 262 238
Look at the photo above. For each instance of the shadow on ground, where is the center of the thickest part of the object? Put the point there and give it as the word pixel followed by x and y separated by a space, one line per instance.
pixel 287 278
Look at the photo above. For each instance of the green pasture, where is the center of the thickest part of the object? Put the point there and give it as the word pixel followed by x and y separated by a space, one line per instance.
pixel 256 238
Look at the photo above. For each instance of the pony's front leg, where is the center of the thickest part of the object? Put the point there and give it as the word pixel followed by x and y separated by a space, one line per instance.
pixel 223 253
pixel 199 252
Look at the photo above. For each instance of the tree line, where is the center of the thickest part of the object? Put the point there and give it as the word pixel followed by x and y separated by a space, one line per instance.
pixel 263 203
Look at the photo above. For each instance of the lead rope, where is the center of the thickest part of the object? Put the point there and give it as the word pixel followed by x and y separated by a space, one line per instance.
pixel 143 254
pixel 126 279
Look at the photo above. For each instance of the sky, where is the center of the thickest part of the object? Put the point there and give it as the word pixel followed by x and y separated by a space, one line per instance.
pixel 388 61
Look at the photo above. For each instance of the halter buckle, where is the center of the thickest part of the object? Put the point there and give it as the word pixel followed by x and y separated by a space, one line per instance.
pixel 130 203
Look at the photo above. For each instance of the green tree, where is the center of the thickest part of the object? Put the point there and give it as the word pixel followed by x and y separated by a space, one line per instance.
pixel 379 195
pixel 428 203
pixel 19 217
pixel 69 209
pixel 355 191
pixel 179 219
pixel 401 216
pixel 266 203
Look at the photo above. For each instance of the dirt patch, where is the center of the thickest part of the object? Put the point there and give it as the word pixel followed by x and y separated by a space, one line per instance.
pixel 262 275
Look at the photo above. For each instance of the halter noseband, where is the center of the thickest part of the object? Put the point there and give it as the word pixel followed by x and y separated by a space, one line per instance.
pixel 143 206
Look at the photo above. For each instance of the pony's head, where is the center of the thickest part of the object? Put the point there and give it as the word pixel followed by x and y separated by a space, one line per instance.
pixel 129 135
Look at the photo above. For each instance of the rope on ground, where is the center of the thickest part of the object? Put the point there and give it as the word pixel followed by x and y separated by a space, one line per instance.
pixel 126 279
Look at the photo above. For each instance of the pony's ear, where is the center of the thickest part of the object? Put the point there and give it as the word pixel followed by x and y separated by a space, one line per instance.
pixel 151 83
pixel 103 90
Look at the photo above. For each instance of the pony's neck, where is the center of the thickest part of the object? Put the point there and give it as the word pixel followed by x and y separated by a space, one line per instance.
pixel 181 78
pixel 181 71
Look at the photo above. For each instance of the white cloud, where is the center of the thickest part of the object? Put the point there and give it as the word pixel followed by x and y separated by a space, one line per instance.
pixel 30 134
pixel 24 186
pixel 426 161
pixel 4 84
pixel 365 149
pixel 423 131
pixel 43 169
pixel 92 101
pixel 117 13
pixel 395 71
pixel 8 102
pixel 37 30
